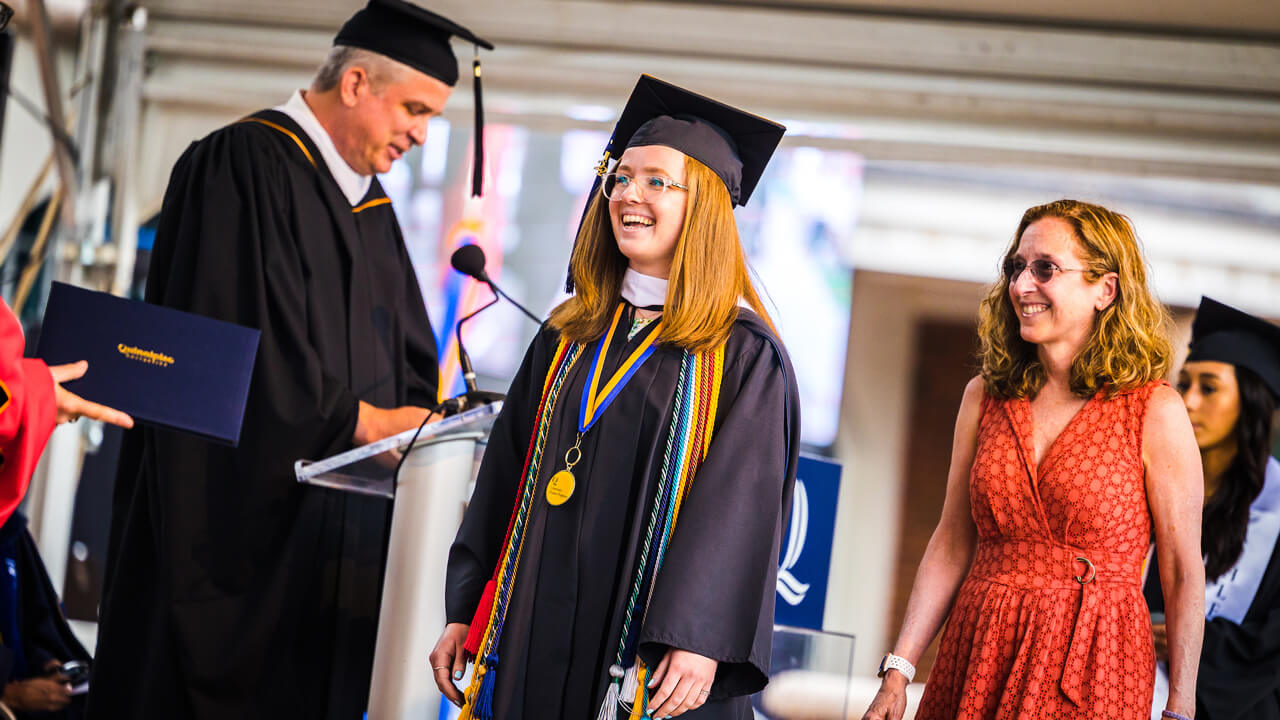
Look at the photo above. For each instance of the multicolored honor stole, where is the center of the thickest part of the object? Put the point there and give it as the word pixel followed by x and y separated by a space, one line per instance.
pixel 486 625
pixel 692 424
pixel 693 419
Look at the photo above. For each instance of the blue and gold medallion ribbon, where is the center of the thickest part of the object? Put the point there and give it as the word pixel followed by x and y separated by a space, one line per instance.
pixel 596 399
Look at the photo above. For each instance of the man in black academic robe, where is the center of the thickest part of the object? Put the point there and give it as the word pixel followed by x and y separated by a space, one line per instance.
pixel 231 590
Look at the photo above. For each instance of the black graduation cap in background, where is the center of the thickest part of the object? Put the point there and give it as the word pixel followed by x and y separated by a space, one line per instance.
pixel 1225 334
pixel 734 144
pixel 419 38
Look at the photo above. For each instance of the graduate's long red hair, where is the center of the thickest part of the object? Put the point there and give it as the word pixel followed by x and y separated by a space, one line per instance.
pixel 708 273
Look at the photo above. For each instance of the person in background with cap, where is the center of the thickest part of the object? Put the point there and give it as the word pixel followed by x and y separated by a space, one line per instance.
pixel 620 550
pixel 231 590
pixel 1230 384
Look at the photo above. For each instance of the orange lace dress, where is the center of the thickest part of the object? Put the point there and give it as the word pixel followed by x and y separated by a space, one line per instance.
pixel 1050 623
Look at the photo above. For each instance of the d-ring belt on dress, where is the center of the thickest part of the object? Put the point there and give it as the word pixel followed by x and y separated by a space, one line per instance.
pixel 1035 564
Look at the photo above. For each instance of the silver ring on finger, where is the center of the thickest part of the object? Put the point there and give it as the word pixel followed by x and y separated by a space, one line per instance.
pixel 440 667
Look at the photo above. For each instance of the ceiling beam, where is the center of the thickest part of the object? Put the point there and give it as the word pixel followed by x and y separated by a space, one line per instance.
pixel 888 88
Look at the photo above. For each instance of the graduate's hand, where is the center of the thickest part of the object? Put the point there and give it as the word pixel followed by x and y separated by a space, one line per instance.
pixel 682 681
pixel 890 702
pixel 1161 637
pixel 449 661
pixel 42 694
pixel 375 423
pixel 72 407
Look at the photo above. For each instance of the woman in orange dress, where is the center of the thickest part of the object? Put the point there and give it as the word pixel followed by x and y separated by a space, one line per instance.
pixel 1069 450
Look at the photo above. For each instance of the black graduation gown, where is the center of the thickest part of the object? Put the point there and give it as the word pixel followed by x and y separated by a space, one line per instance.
pixel 1239 674
pixel 45 633
pixel 231 590
pixel 715 593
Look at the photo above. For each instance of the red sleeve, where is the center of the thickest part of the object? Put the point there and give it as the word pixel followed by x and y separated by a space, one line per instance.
pixel 27 413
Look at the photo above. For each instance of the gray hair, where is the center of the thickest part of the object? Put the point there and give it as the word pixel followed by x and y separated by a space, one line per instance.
pixel 381 69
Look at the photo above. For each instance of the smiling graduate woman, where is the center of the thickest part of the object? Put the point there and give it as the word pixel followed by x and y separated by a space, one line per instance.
pixel 1069 448
pixel 1231 386
pixel 619 554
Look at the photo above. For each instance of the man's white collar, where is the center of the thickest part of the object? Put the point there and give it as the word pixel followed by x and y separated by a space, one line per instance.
pixel 643 290
pixel 354 186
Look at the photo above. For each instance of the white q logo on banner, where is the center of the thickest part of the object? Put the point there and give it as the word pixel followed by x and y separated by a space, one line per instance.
pixel 791 589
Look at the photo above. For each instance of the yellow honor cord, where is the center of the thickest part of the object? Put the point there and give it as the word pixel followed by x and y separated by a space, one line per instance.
pixel 638 709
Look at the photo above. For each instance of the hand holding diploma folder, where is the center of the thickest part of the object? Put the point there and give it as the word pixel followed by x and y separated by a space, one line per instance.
pixel 163 367
pixel 72 407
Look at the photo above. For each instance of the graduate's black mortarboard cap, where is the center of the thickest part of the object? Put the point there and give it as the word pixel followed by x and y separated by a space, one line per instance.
pixel 409 34
pixel 736 145
pixel 1225 334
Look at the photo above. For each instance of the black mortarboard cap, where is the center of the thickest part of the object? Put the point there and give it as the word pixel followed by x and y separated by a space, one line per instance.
pixel 409 34
pixel 419 38
pixel 736 145
pixel 1225 334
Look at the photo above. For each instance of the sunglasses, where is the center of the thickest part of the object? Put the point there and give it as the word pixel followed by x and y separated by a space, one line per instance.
pixel 1041 270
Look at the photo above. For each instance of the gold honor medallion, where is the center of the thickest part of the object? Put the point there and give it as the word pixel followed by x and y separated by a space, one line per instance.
pixel 560 487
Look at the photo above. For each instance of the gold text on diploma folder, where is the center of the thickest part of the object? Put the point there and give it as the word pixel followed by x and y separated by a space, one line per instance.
pixel 146 356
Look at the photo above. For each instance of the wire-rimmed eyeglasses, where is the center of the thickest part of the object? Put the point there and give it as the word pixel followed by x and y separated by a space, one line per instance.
pixel 1041 270
pixel 615 185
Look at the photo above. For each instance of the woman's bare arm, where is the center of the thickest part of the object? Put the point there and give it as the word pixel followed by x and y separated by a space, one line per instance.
pixel 944 566
pixel 1175 494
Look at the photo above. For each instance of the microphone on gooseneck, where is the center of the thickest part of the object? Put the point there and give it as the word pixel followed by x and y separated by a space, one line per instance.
pixel 464 360
pixel 473 397
pixel 469 260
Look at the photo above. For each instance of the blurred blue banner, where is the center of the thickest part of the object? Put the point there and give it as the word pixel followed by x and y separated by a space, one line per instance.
pixel 805 563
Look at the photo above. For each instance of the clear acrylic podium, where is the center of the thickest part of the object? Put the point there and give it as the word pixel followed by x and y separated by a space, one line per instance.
pixel 429 494
pixel 810 677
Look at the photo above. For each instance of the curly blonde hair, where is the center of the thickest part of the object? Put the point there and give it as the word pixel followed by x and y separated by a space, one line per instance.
pixel 1129 345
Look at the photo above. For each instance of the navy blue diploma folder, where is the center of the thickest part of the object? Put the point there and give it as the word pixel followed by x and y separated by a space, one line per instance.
pixel 162 366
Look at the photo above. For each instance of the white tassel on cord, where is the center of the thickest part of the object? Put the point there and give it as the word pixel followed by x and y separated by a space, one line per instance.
pixel 631 682
pixel 609 708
